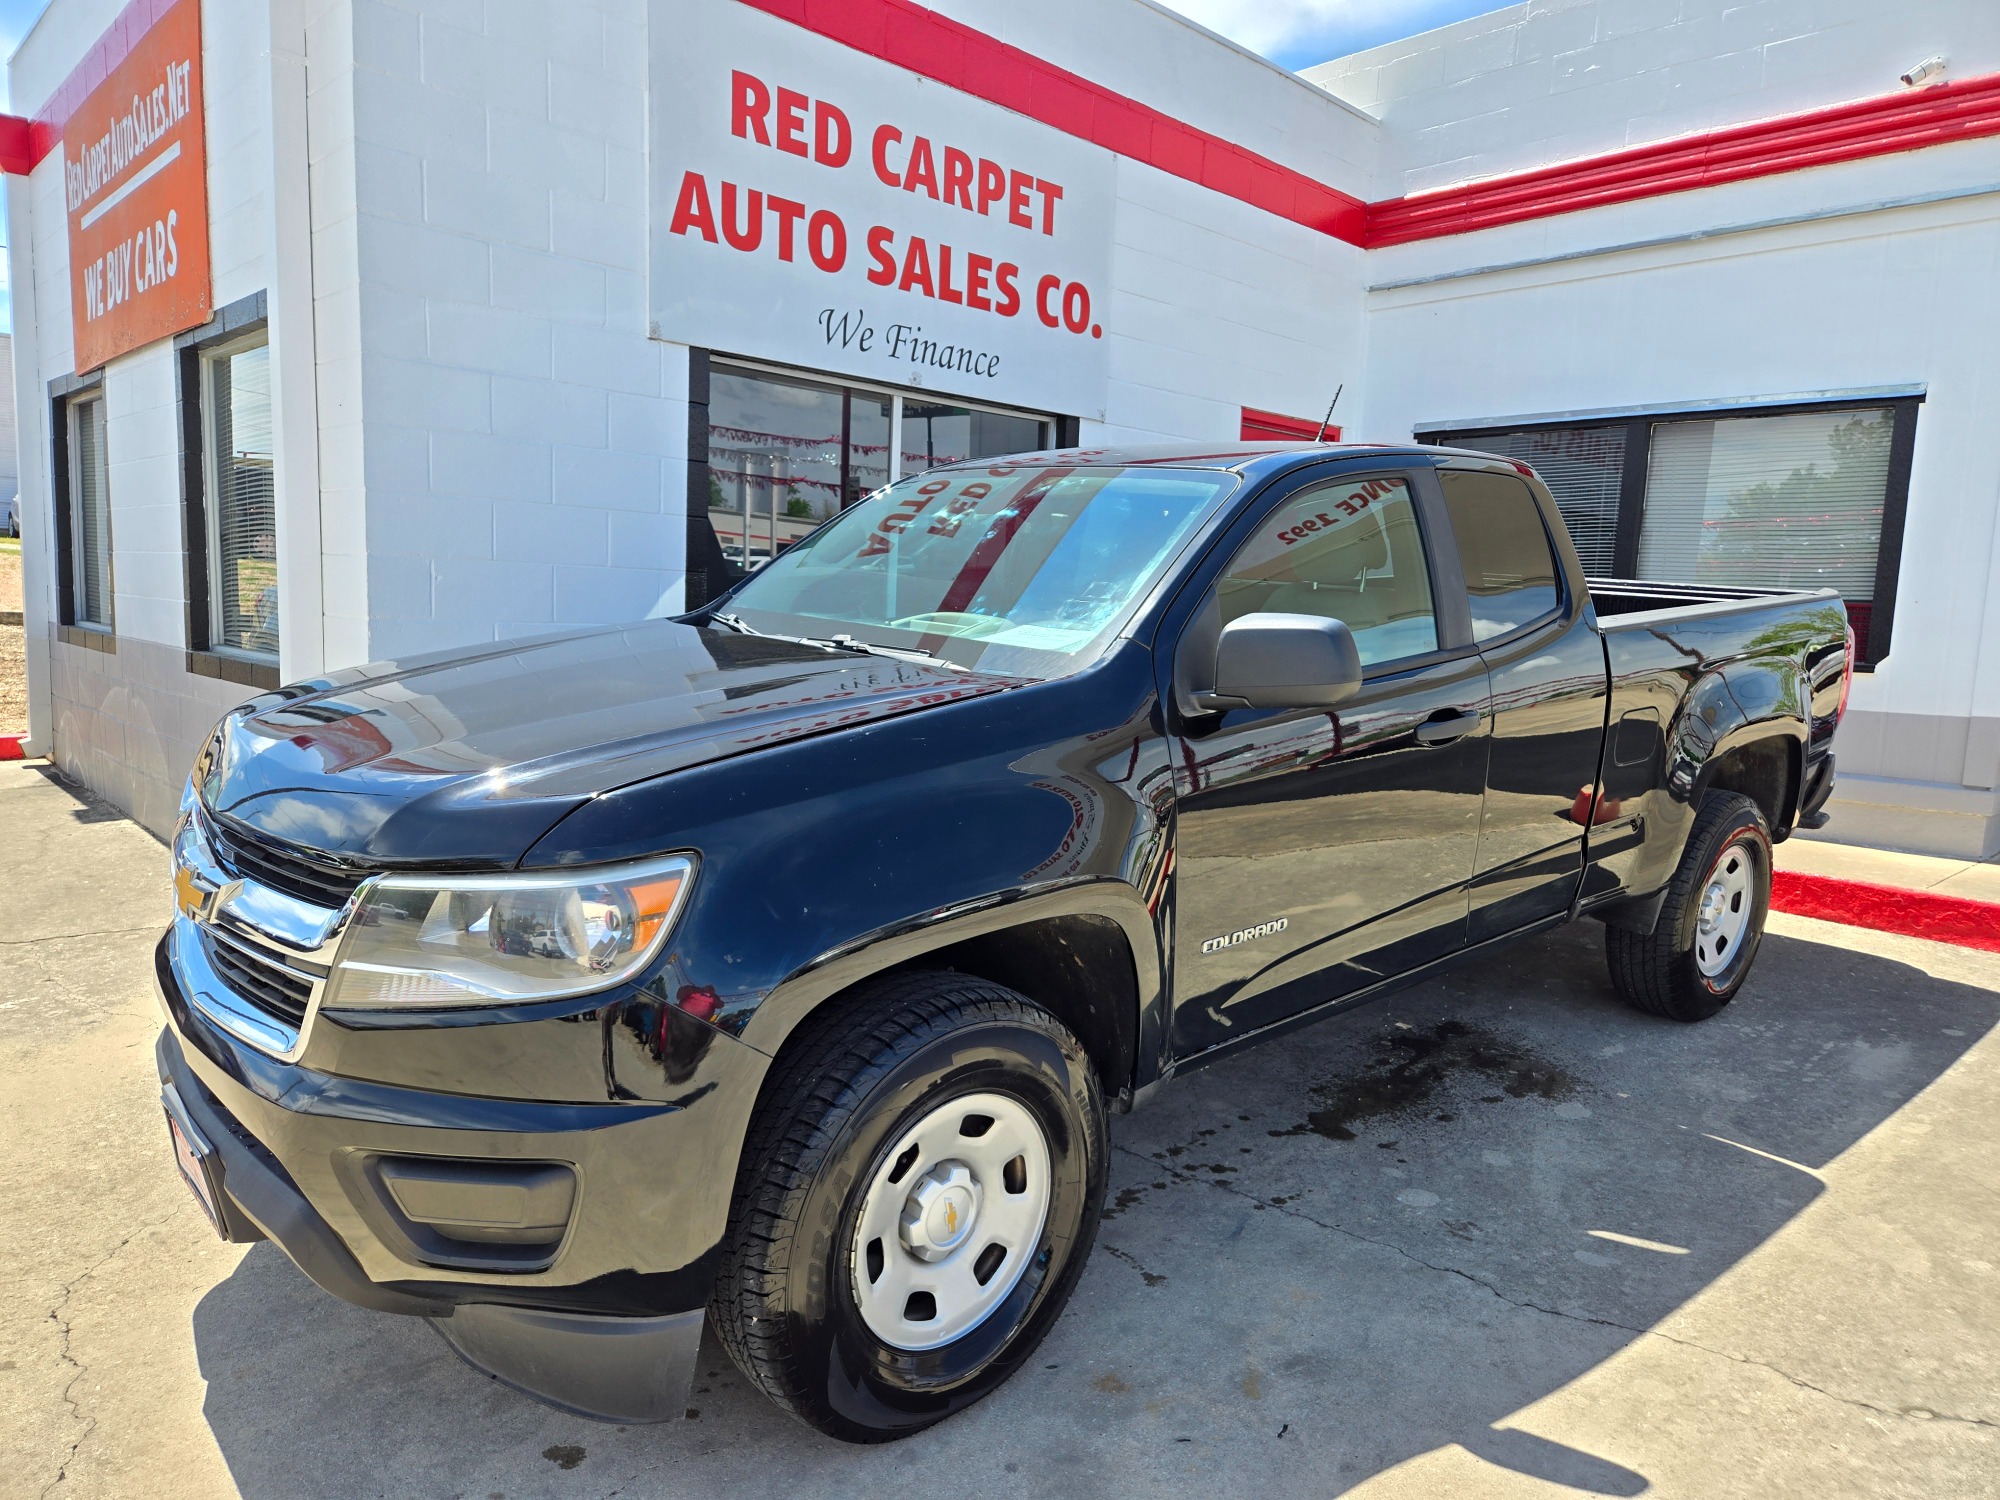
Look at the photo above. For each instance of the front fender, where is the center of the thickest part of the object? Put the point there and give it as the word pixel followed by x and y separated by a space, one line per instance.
pixel 907 941
pixel 844 854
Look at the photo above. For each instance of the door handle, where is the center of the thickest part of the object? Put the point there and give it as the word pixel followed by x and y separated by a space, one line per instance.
pixel 1446 725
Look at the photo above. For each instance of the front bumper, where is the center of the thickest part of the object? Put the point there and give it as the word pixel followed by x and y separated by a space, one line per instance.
pixel 605 1319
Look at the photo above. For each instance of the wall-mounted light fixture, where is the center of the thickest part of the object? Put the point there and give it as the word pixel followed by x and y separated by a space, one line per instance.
pixel 1924 72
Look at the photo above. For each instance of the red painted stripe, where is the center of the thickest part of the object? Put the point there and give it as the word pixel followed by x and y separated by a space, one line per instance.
pixel 1965 110
pixel 17 146
pixel 1924 914
pixel 936 47
pixel 1271 426
pixel 25 142
pixel 949 52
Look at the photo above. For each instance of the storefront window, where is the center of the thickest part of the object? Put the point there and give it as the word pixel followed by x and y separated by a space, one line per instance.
pixel 1804 498
pixel 90 512
pixel 1769 502
pixel 785 453
pixel 774 462
pixel 242 518
pixel 871 423
pixel 936 434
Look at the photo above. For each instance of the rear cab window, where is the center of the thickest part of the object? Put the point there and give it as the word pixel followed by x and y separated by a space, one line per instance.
pixel 1510 564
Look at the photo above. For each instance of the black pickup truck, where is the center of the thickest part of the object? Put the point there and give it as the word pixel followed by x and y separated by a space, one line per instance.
pixel 776 967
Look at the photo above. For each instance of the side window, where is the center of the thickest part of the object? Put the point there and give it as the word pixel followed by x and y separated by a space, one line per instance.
pixel 1510 568
pixel 240 521
pixel 87 496
pixel 1348 551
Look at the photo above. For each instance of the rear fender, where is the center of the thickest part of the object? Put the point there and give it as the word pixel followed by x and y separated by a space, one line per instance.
pixel 1707 746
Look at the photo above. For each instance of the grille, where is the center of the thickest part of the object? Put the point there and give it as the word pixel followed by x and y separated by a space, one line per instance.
pixel 280 992
pixel 319 881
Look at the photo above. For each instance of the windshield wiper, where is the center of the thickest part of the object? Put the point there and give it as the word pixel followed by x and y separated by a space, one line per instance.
pixel 841 642
pixel 845 642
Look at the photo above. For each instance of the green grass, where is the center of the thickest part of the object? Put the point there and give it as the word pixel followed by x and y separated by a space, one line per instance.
pixel 10 544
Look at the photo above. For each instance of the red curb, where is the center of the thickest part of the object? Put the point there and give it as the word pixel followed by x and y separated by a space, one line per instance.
pixel 1888 908
pixel 10 746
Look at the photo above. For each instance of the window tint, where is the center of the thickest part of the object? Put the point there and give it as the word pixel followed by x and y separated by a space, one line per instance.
pixel 786 453
pixel 1584 468
pixel 90 514
pixel 936 434
pixel 1347 551
pixel 1801 499
pixel 242 508
pixel 1510 568
pixel 1770 502
pixel 774 462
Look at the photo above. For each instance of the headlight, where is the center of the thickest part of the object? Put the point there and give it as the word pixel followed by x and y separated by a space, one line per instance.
pixel 418 940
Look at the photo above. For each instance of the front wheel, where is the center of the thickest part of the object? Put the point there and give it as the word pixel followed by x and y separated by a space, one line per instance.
pixel 1700 950
pixel 918 1195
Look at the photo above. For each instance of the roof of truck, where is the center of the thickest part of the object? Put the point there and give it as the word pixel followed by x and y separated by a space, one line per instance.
pixel 1189 455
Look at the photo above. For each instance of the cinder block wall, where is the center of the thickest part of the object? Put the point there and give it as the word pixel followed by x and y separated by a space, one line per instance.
pixel 525 439
pixel 127 721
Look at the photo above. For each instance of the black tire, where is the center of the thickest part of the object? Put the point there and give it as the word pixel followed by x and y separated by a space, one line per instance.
pixel 1657 971
pixel 842 1095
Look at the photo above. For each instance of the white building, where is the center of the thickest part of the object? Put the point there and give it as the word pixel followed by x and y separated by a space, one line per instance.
pixel 10 474
pixel 514 314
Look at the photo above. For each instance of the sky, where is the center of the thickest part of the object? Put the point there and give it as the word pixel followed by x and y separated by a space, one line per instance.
pixel 1292 33
pixel 1299 33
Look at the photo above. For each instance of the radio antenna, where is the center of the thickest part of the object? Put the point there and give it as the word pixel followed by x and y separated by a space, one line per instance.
pixel 1326 421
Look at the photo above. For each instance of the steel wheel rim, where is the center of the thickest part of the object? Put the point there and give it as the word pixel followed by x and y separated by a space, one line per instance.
pixel 1727 902
pixel 951 1216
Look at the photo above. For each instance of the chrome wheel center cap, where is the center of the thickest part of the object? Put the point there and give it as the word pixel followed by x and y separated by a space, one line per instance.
pixel 941 1208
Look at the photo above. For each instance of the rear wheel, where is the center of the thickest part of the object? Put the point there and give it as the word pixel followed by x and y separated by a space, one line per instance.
pixel 918 1194
pixel 1700 950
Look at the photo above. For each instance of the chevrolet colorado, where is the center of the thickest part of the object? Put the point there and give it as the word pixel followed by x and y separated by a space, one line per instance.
pixel 774 968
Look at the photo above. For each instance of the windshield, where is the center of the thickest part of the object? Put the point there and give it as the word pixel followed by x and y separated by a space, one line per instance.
pixel 1028 571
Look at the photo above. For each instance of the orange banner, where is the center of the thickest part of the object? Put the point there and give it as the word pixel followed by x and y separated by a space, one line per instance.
pixel 135 179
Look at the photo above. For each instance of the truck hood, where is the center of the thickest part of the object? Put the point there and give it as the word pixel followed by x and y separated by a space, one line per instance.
pixel 467 760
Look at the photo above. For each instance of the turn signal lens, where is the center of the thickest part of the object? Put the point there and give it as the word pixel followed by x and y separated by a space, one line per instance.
pixel 421 941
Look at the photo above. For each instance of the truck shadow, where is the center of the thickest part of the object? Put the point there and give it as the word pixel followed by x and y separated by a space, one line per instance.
pixel 1320 1260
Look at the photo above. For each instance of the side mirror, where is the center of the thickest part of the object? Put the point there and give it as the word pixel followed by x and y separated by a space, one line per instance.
pixel 1283 661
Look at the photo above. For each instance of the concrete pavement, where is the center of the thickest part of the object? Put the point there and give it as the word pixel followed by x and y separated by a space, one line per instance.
pixel 1495 1236
pixel 1967 879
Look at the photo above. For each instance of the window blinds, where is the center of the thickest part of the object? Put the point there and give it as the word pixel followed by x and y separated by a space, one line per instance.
pixel 1583 468
pixel 90 507
pixel 242 517
pixel 1768 502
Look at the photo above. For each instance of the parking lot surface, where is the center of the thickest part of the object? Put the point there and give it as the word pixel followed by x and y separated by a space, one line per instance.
pixel 1496 1236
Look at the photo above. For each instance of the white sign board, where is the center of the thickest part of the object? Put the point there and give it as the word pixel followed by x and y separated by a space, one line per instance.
pixel 818 207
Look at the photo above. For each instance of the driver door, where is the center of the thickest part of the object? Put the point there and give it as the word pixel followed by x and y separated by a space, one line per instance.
pixel 1319 852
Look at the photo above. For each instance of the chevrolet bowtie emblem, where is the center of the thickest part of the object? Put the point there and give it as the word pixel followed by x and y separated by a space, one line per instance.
pixel 190 895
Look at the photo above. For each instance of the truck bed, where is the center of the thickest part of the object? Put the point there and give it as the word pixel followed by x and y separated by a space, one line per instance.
pixel 1687 662
pixel 1618 600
